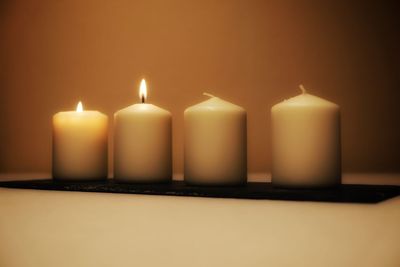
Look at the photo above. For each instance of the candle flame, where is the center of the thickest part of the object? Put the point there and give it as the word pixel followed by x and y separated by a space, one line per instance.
pixel 79 107
pixel 143 90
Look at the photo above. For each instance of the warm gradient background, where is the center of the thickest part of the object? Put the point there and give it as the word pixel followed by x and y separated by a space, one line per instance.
pixel 252 53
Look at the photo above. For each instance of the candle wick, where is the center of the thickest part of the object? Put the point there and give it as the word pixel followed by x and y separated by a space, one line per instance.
pixel 303 90
pixel 143 99
pixel 209 95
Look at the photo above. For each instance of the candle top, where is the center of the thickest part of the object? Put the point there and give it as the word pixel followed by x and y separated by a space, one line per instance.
pixel 78 115
pixel 306 100
pixel 79 111
pixel 143 108
pixel 86 118
pixel 215 103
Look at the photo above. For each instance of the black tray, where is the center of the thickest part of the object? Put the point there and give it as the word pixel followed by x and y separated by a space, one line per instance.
pixel 348 193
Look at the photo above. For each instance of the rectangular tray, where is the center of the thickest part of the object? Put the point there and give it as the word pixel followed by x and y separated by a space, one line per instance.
pixel 346 193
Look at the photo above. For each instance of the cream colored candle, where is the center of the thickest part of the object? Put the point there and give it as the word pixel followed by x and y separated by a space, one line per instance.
pixel 143 143
pixel 215 143
pixel 80 145
pixel 306 147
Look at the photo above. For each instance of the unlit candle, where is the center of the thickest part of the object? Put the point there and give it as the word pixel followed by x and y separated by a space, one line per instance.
pixel 306 149
pixel 215 143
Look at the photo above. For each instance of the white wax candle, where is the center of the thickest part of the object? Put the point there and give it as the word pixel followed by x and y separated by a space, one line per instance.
pixel 215 143
pixel 143 143
pixel 80 145
pixel 306 150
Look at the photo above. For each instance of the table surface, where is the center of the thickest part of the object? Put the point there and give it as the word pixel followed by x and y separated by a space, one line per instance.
pixel 52 228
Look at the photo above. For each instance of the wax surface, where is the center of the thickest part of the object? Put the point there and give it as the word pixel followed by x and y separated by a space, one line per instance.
pixel 143 144
pixel 215 143
pixel 306 142
pixel 80 145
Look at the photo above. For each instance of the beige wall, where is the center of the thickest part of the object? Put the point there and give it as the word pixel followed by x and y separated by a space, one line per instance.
pixel 253 53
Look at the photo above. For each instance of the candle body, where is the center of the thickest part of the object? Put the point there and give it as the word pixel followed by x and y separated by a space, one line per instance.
pixel 306 150
pixel 215 143
pixel 80 145
pixel 143 144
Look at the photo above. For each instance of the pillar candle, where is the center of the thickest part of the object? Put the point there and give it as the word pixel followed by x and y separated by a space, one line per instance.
pixel 306 150
pixel 143 142
pixel 80 145
pixel 215 143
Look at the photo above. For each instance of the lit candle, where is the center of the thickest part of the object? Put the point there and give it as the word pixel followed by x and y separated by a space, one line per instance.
pixel 142 142
pixel 306 142
pixel 80 145
pixel 215 143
